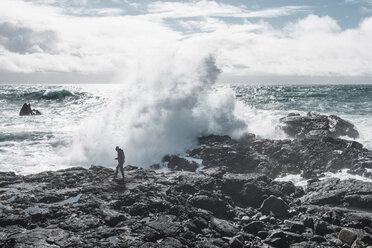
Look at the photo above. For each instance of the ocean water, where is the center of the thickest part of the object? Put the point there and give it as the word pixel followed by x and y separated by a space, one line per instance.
pixel 81 124
pixel 31 144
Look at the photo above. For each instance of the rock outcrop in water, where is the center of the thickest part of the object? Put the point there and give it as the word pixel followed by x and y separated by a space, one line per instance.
pixel 27 110
pixel 317 126
pixel 83 208
pixel 308 157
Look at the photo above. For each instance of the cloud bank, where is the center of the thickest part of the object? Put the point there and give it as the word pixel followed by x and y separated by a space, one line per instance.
pixel 42 37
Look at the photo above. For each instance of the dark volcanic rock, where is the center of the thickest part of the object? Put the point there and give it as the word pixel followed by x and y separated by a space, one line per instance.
pixel 80 207
pixel 237 242
pixel 295 226
pixel 224 227
pixel 321 228
pixel 347 236
pixel 317 126
pixel 181 164
pixel 275 205
pixel 276 157
pixel 218 206
pixel 27 110
pixel 283 239
pixel 336 192
pixel 254 227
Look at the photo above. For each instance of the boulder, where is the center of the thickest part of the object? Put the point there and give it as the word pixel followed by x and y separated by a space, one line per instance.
pixel 254 227
pixel 275 205
pixel 295 226
pixel 178 163
pixel 321 228
pixel 347 236
pixel 317 126
pixel 224 227
pixel 218 206
pixel 166 225
pixel 283 239
pixel 27 110
pixel 237 242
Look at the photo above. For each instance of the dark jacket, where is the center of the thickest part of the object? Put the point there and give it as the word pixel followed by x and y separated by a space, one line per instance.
pixel 121 156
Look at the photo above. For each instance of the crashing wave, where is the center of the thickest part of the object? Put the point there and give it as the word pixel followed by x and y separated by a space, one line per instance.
pixel 163 113
pixel 58 94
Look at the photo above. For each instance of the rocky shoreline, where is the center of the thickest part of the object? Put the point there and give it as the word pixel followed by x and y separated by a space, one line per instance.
pixel 233 201
pixel 80 207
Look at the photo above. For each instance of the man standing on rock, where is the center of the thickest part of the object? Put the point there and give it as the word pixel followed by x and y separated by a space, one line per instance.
pixel 121 160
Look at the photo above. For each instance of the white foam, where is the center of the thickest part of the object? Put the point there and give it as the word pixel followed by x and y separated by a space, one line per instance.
pixel 297 180
pixel 343 175
pixel 163 168
pixel 364 126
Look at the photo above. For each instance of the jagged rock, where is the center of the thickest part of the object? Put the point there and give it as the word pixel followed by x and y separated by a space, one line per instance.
pixel 9 178
pixel 178 163
pixel 347 236
pixel 283 239
pixel 254 227
pixel 218 206
pixel 224 227
pixel 237 242
pixel 263 234
pixel 318 239
pixel 317 126
pixel 79 207
pixel 295 226
pixel 276 157
pixel 321 228
pixel 111 217
pixel 26 110
pixel 334 191
pixel 166 224
pixel 275 205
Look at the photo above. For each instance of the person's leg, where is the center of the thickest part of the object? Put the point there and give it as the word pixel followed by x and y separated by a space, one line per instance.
pixel 122 172
pixel 117 170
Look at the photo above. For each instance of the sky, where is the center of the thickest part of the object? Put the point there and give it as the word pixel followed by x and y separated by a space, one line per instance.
pixel 252 41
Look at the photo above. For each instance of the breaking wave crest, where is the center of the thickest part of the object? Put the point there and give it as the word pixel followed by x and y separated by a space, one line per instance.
pixel 58 94
pixel 42 94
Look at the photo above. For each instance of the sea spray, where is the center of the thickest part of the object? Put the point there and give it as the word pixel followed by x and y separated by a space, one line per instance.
pixel 164 114
pixel 47 142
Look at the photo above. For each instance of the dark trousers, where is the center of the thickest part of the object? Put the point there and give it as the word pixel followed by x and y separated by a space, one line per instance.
pixel 120 166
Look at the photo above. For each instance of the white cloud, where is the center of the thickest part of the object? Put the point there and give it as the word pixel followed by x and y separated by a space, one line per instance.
pixel 84 44
pixel 46 39
pixel 300 49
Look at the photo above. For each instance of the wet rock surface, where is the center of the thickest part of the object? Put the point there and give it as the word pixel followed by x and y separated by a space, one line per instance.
pixel 310 157
pixel 27 110
pixel 315 125
pixel 351 193
pixel 80 207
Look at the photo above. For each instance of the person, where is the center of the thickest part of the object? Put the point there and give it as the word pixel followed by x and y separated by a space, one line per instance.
pixel 121 160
